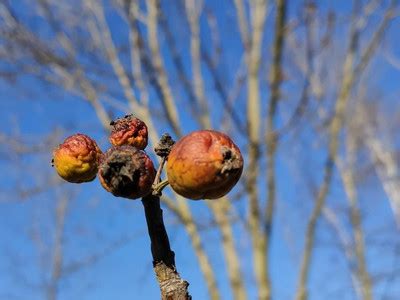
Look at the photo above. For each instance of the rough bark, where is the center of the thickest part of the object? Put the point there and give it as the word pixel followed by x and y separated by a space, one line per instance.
pixel 172 286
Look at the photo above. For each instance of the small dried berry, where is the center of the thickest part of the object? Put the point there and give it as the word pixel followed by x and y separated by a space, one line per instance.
pixel 205 164
pixel 129 131
pixel 127 172
pixel 76 159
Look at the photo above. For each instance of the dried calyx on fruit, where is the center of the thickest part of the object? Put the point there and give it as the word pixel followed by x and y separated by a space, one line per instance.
pixel 164 146
pixel 205 164
pixel 127 172
pixel 129 131
pixel 76 159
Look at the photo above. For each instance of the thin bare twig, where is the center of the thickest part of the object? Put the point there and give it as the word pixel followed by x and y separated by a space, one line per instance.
pixel 167 97
pixel 347 173
pixel 270 138
pixel 259 12
pixel 220 212
pixel 57 259
pixel 193 15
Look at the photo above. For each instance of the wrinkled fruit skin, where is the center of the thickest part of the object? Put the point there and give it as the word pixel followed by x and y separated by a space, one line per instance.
pixel 205 164
pixel 129 131
pixel 76 159
pixel 127 172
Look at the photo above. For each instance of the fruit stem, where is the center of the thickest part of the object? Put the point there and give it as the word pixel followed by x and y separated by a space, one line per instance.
pixel 162 149
pixel 157 188
pixel 157 180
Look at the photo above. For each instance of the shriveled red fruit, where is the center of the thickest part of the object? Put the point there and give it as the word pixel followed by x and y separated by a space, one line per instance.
pixel 205 164
pixel 76 159
pixel 127 172
pixel 129 131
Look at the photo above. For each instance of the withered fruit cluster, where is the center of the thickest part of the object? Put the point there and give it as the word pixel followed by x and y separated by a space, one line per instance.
pixel 204 164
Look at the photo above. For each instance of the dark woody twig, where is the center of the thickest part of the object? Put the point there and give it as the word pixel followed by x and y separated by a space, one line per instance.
pixel 172 286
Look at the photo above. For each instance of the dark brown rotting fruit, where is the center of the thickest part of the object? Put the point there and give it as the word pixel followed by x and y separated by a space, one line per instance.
pixel 127 172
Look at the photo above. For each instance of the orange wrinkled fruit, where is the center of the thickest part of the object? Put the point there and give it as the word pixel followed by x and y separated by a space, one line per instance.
pixel 205 164
pixel 129 131
pixel 76 159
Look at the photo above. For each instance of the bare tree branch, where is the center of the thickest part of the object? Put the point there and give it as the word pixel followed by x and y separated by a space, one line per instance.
pixel 57 259
pixel 220 211
pixel 167 100
pixel 193 14
pixel 270 138
pixel 259 12
pixel 347 173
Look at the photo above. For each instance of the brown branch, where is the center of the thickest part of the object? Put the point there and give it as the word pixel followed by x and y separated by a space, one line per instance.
pixel 347 174
pixel 91 95
pixel 57 259
pixel 243 24
pixel 103 30
pixel 103 34
pixel 270 139
pixel 235 89
pixel 138 59
pixel 171 285
pixel 136 50
pixel 216 48
pixel 253 58
pixel 301 107
pixel 204 262
pixel 376 38
pixel 179 66
pixel 193 16
pixel 168 102
pixel 385 164
pixel 145 59
pixel 345 243
pixel 222 92
pixel 220 211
